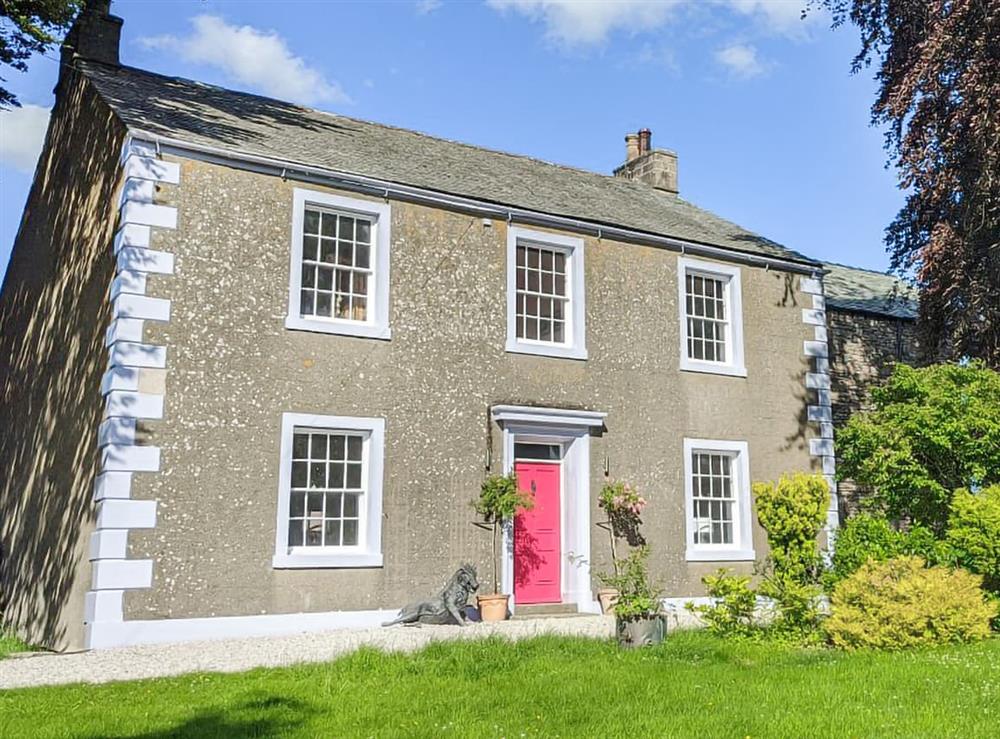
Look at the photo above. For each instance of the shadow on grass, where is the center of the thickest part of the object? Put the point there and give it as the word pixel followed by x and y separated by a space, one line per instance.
pixel 258 716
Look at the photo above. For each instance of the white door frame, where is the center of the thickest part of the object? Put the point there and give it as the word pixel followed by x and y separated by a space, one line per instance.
pixel 571 429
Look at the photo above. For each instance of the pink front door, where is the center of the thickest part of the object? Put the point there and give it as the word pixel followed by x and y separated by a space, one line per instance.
pixel 537 545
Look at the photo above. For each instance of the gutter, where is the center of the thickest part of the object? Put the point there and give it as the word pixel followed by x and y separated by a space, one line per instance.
pixel 384 188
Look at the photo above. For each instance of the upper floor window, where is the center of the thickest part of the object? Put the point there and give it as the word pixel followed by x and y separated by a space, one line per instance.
pixel 545 294
pixel 711 317
pixel 339 281
pixel 717 500
pixel 330 492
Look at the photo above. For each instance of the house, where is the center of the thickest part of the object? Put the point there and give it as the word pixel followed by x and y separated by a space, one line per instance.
pixel 256 359
pixel 871 320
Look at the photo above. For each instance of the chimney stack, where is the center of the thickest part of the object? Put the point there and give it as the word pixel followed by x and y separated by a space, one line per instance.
pixel 654 167
pixel 95 35
pixel 631 146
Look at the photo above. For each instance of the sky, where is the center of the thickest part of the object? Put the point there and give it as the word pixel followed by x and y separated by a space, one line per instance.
pixel 771 129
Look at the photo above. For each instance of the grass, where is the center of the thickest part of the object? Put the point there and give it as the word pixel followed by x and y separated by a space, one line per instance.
pixel 694 685
pixel 10 644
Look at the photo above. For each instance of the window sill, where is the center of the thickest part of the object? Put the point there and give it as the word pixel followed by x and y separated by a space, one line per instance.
pixel 720 555
pixel 546 350
pixel 342 328
pixel 709 368
pixel 326 561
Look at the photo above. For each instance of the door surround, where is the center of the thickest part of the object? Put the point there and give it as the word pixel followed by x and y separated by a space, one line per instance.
pixel 571 429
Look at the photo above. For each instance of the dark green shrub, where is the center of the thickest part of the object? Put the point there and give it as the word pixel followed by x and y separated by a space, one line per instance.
pixel 867 537
pixel 901 603
pixel 931 431
pixel 974 533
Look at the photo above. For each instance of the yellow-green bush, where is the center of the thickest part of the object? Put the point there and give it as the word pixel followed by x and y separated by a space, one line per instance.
pixel 902 603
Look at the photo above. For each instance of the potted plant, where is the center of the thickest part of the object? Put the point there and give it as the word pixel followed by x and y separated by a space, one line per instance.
pixel 639 620
pixel 623 507
pixel 499 501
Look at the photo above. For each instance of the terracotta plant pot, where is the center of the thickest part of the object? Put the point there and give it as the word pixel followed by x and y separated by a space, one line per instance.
pixel 493 607
pixel 607 597
pixel 641 632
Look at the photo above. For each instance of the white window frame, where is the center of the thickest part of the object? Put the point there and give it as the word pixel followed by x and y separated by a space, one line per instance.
pixel 368 553
pixel 376 325
pixel 742 547
pixel 734 364
pixel 575 346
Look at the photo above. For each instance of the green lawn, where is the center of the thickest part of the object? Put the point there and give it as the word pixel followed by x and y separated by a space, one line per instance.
pixel 694 685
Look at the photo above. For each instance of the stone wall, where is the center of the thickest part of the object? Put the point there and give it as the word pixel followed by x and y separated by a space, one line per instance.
pixel 54 309
pixel 863 349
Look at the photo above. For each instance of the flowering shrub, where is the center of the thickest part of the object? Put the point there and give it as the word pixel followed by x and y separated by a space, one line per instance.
pixel 621 500
pixel 623 506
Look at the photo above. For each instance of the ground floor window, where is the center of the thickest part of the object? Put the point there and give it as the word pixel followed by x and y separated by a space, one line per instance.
pixel 330 492
pixel 717 500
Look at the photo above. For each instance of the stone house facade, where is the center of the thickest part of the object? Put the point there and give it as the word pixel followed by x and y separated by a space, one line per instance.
pixel 256 359
pixel 871 320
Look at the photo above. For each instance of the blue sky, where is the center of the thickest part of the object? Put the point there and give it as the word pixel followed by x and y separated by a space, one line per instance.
pixel 770 128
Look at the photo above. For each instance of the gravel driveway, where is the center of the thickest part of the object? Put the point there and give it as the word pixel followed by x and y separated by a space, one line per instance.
pixel 235 655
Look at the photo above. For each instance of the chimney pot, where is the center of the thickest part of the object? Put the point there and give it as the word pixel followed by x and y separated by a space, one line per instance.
pixel 645 140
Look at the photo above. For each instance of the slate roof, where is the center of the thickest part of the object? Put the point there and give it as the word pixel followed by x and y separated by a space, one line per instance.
pixel 854 289
pixel 234 121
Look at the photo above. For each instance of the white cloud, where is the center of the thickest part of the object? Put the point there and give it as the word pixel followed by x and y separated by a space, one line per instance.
pixel 259 59
pixel 741 60
pixel 587 22
pixel 427 6
pixel 783 17
pixel 580 22
pixel 22 133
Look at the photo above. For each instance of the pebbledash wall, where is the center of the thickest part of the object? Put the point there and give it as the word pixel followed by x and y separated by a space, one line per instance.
pixel 202 369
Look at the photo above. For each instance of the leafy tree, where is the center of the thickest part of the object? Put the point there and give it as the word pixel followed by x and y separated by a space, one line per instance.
pixel 30 27
pixel 974 533
pixel 938 69
pixel 931 431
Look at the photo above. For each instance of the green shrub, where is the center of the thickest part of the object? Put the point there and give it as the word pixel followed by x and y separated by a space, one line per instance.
pixel 792 512
pixel 867 537
pixel 638 597
pixel 795 605
pixel 974 533
pixel 931 431
pixel 901 603
pixel 732 613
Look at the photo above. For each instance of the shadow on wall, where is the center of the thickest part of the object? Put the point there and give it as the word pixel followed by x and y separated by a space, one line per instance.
pixel 53 313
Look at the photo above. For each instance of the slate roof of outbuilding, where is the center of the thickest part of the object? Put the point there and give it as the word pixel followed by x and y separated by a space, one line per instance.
pixel 203 114
pixel 862 290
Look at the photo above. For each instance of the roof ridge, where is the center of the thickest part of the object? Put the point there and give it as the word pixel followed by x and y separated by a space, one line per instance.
pixel 389 126
pixel 865 269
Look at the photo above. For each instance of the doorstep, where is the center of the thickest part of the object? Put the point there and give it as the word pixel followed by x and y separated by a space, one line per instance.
pixel 546 610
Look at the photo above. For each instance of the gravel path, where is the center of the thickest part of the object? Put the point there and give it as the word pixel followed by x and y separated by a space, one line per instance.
pixel 235 655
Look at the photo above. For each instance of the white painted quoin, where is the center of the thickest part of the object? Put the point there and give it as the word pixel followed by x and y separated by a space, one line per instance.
pixel 128 358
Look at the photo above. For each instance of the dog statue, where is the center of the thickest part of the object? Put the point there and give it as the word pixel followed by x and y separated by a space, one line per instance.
pixel 448 607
